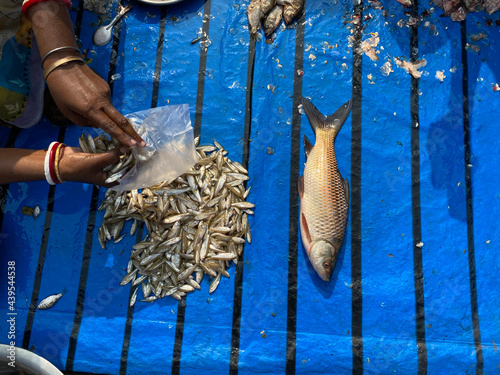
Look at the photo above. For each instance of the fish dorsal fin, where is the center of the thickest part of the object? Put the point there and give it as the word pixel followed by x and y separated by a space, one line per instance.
pixel 305 227
pixel 307 146
pixel 301 186
pixel 346 190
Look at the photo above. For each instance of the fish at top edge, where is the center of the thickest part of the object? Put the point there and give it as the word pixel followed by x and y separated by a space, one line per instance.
pixel 324 194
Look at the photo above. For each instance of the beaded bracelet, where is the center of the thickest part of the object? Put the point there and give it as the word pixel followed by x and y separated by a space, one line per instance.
pixel 58 49
pixel 60 62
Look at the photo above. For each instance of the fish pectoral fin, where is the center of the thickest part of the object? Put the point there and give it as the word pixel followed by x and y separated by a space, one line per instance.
pixel 305 228
pixel 301 186
pixel 346 190
pixel 307 146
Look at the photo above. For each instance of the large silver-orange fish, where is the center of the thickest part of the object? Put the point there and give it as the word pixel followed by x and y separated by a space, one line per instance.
pixel 324 194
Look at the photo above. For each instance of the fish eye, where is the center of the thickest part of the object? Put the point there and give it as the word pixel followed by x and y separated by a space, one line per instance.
pixel 326 265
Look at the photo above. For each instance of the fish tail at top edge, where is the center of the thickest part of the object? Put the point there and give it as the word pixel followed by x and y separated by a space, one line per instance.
pixel 318 120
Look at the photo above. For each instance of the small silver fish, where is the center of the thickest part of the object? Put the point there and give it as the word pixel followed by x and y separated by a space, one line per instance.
pixel 133 298
pixel 36 211
pixel 50 301
pixel 116 177
pixel 243 205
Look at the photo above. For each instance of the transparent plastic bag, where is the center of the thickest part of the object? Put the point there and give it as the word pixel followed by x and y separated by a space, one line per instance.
pixel 170 149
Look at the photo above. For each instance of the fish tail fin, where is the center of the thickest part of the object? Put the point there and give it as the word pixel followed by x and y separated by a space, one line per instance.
pixel 318 120
pixel 63 292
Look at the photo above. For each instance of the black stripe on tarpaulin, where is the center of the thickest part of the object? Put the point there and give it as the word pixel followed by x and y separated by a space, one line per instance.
pixel 140 229
pixel 41 256
pixel 357 305
pixel 181 306
pixel 418 272
pixel 79 18
pixel 159 56
pixel 179 335
pixel 130 315
pixel 293 219
pixel 84 269
pixel 4 189
pixel 200 90
pixel 469 206
pixel 238 275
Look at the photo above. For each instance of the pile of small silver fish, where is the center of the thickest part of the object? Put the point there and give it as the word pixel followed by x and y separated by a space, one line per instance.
pixel 197 225
pixel 270 13
pixel 100 144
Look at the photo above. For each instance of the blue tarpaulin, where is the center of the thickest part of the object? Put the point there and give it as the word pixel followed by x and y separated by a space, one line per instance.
pixel 415 288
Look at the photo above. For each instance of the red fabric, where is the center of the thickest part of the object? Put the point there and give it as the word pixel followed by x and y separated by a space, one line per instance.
pixel 51 163
pixel 28 3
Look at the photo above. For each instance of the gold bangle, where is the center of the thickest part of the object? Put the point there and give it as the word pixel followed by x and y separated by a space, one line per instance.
pixel 56 161
pixel 60 62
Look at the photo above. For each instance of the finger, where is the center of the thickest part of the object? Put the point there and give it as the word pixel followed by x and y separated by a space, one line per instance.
pixel 100 119
pixel 124 124
pixel 110 185
pixel 110 157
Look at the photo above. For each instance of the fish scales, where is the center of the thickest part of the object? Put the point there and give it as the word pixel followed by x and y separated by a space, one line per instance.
pixel 323 180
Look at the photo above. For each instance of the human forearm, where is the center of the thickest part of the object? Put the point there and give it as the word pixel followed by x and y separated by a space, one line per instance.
pixel 53 28
pixel 21 165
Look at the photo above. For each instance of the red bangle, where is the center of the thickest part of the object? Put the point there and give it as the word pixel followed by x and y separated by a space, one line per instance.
pixel 28 3
pixel 51 163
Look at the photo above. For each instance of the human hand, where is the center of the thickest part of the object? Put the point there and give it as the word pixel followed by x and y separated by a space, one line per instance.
pixel 85 99
pixel 77 166
pixel 80 94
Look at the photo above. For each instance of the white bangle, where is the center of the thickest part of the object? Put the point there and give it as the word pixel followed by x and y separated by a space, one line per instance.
pixel 46 164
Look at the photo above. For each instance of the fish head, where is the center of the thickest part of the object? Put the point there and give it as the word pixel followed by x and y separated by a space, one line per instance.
pixel 323 256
